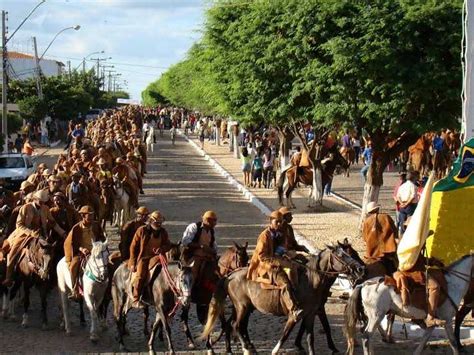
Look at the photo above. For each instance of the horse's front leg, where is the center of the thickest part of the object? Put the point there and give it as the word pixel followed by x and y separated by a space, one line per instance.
pixel 44 306
pixel 82 318
pixel 184 322
pixel 146 315
pixel 26 305
pixel 448 327
pixel 460 315
pixel 424 339
pixel 65 308
pixel 323 318
pixel 290 323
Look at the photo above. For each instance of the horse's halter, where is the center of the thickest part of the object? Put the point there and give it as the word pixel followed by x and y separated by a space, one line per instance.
pixel 90 270
pixel 234 263
pixel 351 267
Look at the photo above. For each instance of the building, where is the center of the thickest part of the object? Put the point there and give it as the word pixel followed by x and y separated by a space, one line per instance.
pixel 22 66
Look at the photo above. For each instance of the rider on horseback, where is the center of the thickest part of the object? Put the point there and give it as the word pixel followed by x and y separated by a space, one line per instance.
pixel 122 171
pixel 380 234
pixel 149 242
pixel 32 222
pixel 78 244
pixel 201 247
pixel 128 231
pixel 267 265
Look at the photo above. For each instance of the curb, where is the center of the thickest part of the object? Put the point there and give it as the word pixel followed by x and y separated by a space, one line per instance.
pixel 254 200
pixel 346 201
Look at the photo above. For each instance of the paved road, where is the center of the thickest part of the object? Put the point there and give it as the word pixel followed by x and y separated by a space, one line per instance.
pixel 182 185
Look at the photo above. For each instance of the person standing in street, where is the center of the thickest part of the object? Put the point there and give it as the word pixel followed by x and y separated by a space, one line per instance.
pixel 407 197
pixel 367 158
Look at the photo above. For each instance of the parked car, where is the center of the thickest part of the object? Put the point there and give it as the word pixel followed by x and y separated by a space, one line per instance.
pixel 93 114
pixel 15 168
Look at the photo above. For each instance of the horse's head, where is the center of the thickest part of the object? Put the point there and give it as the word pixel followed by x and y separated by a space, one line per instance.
pixel 41 256
pixel 339 159
pixel 174 254
pixel 97 264
pixel 241 256
pixel 341 262
pixel 184 282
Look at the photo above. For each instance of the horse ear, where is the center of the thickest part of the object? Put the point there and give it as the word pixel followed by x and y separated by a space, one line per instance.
pixel 191 265
pixel 246 245
pixel 346 241
pixel 236 245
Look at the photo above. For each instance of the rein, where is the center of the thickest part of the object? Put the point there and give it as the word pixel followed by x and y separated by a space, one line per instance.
pixel 169 279
pixel 228 268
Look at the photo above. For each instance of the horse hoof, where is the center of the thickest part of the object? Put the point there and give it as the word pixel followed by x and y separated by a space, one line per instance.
pixel 24 325
pixel 191 346
pixel 94 338
pixel 68 333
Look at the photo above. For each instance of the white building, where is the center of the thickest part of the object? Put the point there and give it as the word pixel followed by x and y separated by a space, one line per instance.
pixel 23 66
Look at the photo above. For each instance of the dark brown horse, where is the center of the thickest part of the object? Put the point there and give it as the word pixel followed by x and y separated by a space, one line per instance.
pixel 311 292
pixel 234 258
pixel 290 177
pixel 348 153
pixel 33 269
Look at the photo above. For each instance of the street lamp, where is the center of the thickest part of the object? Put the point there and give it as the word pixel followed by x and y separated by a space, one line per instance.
pixel 75 28
pixel 84 60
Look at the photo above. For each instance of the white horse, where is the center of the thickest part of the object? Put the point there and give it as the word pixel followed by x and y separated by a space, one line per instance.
pixel 122 210
pixel 94 283
pixel 149 139
pixel 373 299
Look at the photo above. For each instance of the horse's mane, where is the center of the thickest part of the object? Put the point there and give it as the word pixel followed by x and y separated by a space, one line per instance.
pixel 96 249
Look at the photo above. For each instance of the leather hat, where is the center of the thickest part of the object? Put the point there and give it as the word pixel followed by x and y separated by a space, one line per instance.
pixel 46 172
pixel 42 165
pixel 142 210
pixel 284 211
pixel 54 178
pixel 59 194
pixel 156 216
pixel 372 207
pixel 119 160
pixel 86 210
pixel 209 215
pixel 101 161
pixel 25 184
pixel 41 195
pixel 276 215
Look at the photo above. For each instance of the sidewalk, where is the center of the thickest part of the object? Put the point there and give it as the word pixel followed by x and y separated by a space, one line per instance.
pixel 321 225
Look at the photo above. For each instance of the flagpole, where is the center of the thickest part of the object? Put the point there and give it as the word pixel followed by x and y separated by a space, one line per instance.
pixel 467 59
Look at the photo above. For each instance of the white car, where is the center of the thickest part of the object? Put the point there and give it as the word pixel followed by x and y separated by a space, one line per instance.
pixel 93 114
pixel 15 168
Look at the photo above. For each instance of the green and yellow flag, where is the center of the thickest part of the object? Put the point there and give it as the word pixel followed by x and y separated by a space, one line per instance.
pixel 452 210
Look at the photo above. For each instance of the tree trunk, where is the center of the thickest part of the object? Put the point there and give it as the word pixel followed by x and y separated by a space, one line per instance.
pixel 217 135
pixel 317 190
pixel 285 137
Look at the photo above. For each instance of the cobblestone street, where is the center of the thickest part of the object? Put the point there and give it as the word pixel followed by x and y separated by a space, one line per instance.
pixel 182 185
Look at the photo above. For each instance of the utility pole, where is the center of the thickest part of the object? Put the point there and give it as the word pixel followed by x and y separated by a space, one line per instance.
pixel 110 80
pixel 4 81
pixel 38 71
pixel 467 58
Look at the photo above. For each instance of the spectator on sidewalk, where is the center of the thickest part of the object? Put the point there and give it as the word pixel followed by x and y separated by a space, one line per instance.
pixel 403 179
pixel 44 136
pixel 19 143
pixel 407 197
pixel 356 145
pixel 367 158
pixel 27 147
pixel 246 166
pixel 257 169
pixel 268 159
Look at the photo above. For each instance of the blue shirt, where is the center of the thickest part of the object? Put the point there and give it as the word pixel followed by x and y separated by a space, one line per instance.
pixel 367 155
pixel 438 143
pixel 258 163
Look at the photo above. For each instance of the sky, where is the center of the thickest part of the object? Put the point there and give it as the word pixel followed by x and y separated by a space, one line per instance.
pixel 143 37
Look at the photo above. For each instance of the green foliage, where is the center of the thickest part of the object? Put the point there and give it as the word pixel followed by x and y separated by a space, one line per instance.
pixel 385 65
pixel 15 122
pixel 63 96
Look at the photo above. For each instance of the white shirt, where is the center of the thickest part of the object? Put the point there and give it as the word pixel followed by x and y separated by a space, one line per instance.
pixel 407 191
pixel 189 234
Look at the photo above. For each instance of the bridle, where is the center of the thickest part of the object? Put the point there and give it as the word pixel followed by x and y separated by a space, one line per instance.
pixel 89 271
pixel 229 268
pixel 347 266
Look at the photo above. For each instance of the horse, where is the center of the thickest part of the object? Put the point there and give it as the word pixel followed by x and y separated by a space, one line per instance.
pixel 234 258
pixel 310 292
pixel 122 210
pixel 94 284
pixel 149 139
pixel 372 300
pixel 169 289
pixel 33 269
pixel 106 204
pixel 348 153
pixel 467 306
pixel 419 154
pixel 291 176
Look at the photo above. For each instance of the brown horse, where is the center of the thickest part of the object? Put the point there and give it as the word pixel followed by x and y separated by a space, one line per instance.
pixel 348 153
pixel 311 291
pixel 106 204
pixel 33 269
pixel 420 157
pixel 234 258
pixel 290 177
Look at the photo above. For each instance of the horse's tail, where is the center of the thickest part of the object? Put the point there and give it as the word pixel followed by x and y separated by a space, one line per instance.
pixel 281 182
pixel 216 307
pixel 353 312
